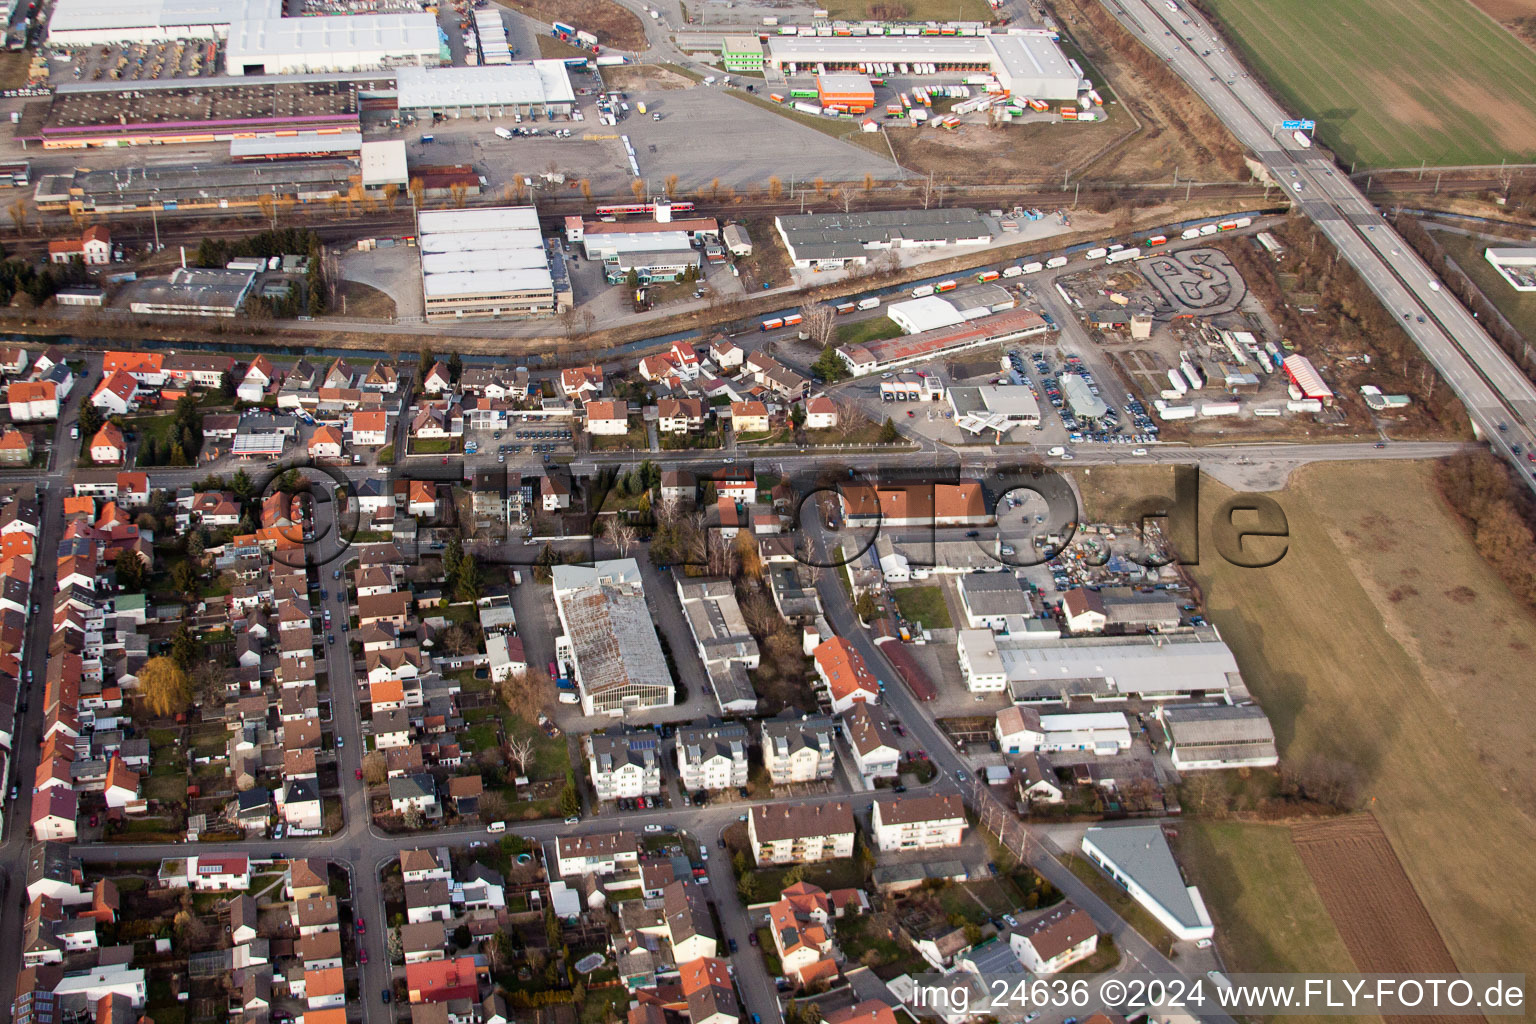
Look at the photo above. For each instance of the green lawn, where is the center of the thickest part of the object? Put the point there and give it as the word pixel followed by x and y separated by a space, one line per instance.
pixel 923 604
pixel 872 329
pixel 1268 916
pixel 1394 82
pixel 1518 307
pixel 433 445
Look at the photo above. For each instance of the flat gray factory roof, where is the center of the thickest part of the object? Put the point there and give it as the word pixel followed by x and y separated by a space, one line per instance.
pixel 1030 56
pixel 1141 853
pixel 527 82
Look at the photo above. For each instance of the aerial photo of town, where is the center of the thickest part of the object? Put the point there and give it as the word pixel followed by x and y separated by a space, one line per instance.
pixel 741 512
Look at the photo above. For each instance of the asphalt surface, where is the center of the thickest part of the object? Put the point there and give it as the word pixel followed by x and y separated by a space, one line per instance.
pixel 1499 397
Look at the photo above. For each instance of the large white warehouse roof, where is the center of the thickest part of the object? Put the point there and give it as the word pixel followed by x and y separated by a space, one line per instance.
pixel 481 252
pixel 94 22
pixel 342 42
pixel 529 82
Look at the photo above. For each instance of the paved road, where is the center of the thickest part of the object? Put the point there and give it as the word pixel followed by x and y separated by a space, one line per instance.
pixel 1496 393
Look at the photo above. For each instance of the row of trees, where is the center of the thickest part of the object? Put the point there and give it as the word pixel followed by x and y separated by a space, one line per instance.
pixel 1500 516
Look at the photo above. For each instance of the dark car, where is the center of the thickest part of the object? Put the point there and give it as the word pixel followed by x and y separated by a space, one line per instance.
pixel 386 995
pixel 752 938
pixel 973 533
pixel 733 945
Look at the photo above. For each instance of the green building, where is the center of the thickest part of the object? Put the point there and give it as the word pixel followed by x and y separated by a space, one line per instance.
pixel 742 54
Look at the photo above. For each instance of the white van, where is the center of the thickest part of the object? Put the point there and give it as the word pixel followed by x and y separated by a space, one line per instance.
pixel 496 826
pixel 1057 452
pixel 503 133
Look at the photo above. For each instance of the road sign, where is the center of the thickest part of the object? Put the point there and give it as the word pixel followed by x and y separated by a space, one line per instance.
pixel 1298 126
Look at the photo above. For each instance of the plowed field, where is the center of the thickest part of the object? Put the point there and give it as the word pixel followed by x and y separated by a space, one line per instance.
pixel 1372 902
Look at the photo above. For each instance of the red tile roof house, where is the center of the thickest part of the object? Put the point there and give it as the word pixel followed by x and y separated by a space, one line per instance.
pixel 438 981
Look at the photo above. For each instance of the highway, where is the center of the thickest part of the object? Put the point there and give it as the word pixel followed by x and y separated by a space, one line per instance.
pixel 1499 398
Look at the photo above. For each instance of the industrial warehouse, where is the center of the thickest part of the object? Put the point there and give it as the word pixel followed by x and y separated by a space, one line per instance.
pixel 826 241
pixel 888 353
pixel 103 22
pixel 282 46
pixel 87 114
pixel 493 91
pixel 487 263
pixel 1024 64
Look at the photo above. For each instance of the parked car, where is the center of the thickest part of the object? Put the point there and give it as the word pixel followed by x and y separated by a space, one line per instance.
pixel 385 996
pixel 359 773
pixel 362 926
pixel 752 938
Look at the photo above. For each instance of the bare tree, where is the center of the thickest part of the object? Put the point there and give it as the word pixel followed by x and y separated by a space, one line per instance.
pixel 841 198
pixel 519 748
pixel 623 536
pixel 819 320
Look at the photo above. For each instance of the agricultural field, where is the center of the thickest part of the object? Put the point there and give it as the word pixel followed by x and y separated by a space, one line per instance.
pixel 1392 83
pixel 1383 645
pixel 1369 897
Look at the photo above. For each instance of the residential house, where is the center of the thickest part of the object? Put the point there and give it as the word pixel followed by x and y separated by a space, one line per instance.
pixel 442 981
pixel 427 901
pixel 799 748
pixel 607 418
pixel 597 854
pixel 928 822
pixel 801 926
pixel 15 447
pixel 749 417
pixel 325 443
pixel 690 929
pixel 418 792
pixel 33 401
pixel 820 414
pixel 370 428
pixel 257 380
pixel 845 675
pixel 801 833
pixel 679 415
pixel 712 756
pixel 117 394
pixel 873 742
pixel 108 446
pixel 709 992
pixel 624 764
pixel 1055 939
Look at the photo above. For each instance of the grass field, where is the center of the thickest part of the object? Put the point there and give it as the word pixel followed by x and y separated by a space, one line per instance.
pixel 923 604
pixel 1518 307
pixel 867 330
pixel 1394 82
pixel 1383 641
